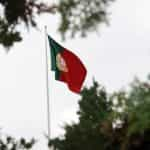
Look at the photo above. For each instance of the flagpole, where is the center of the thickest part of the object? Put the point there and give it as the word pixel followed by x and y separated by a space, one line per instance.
pixel 47 86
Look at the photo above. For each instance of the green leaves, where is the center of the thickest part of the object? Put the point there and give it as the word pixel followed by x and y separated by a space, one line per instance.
pixel 9 143
pixel 76 16
pixel 138 105
pixel 93 111
pixel 102 126
pixel 118 121
pixel 82 16
pixel 15 13
pixel 8 34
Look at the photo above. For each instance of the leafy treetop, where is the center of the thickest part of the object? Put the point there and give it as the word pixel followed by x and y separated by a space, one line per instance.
pixel 75 16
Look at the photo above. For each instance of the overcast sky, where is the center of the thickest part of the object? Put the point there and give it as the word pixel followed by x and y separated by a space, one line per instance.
pixel 114 57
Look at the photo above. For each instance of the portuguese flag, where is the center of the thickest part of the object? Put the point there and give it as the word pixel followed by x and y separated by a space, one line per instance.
pixel 67 66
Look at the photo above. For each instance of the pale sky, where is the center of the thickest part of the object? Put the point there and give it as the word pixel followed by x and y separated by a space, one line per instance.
pixel 120 52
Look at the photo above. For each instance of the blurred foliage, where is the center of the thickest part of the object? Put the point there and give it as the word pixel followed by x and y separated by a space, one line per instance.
pixel 75 16
pixel 9 143
pixel 138 107
pixel 82 15
pixel 117 121
pixel 94 110
pixel 7 34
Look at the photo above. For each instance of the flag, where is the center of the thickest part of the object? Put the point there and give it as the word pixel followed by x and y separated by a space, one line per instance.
pixel 67 66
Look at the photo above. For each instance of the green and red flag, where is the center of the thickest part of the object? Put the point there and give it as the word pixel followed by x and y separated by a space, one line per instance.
pixel 67 66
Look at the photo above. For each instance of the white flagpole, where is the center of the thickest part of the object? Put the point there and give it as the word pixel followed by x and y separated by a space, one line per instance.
pixel 47 86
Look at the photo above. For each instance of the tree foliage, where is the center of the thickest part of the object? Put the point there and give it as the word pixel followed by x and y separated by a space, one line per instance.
pixel 75 16
pixel 94 109
pixel 9 143
pixel 118 121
